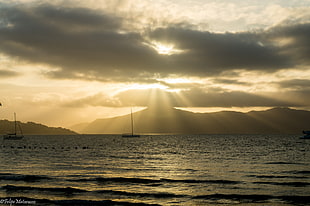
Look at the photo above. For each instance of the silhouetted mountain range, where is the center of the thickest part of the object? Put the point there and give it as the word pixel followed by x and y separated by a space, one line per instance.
pixel 170 120
pixel 32 128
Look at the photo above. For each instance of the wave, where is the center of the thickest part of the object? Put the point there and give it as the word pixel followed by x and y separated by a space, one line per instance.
pixel 103 180
pixel 256 198
pixel 305 172
pixel 33 201
pixel 277 177
pixel 21 177
pixel 138 194
pixel 292 184
pixel 72 191
pixel 203 181
pixel 119 180
pixel 153 181
pixel 65 190
pixel 284 163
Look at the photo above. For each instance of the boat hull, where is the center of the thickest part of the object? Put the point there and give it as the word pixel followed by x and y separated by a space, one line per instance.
pixel 307 136
pixel 130 135
pixel 12 137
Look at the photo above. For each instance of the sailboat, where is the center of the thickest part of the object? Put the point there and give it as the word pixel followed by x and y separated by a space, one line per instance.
pixel 132 133
pixel 306 135
pixel 14 136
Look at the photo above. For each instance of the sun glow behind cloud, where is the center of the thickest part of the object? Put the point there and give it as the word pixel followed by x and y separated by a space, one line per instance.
pixel 164 49
pixel 177 80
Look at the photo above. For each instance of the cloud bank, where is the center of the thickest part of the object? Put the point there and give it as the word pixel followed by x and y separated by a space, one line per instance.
pixel 88 44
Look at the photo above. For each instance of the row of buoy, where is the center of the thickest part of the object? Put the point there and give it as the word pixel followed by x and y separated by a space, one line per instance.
pixel 39 147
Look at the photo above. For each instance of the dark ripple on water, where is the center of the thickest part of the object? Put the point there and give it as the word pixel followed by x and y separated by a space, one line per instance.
pixel 25 178
pixel 148 181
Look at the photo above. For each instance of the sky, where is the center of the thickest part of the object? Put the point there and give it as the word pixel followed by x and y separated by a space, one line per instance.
pixel 67 62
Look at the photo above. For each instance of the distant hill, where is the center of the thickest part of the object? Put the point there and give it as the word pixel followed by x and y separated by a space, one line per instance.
pixel 170 120
pixel 32 128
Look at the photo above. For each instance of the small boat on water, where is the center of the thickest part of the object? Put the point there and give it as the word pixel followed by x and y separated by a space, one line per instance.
pixel 132 133
pixel 306 135
pixel 14 136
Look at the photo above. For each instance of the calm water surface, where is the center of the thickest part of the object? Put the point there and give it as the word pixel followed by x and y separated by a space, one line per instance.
pixel 156 170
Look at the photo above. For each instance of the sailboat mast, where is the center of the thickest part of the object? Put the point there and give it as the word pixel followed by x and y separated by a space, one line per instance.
pixel 15 122
pixel 131 123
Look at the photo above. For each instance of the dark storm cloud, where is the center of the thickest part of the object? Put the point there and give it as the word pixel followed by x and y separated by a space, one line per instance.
pixel 78 42
pixel 92 45
pixel 7 73
pixel 231 82
pixel 295 84
pixel 213 52
pixel 298 41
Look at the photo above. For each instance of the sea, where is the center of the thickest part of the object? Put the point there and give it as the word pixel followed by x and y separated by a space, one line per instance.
pixel 155 170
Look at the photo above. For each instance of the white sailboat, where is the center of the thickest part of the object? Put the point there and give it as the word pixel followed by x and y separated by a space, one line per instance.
pixel 132 133
pixel 14 136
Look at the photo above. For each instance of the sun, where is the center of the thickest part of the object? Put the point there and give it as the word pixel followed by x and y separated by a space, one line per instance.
pixel 164 48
